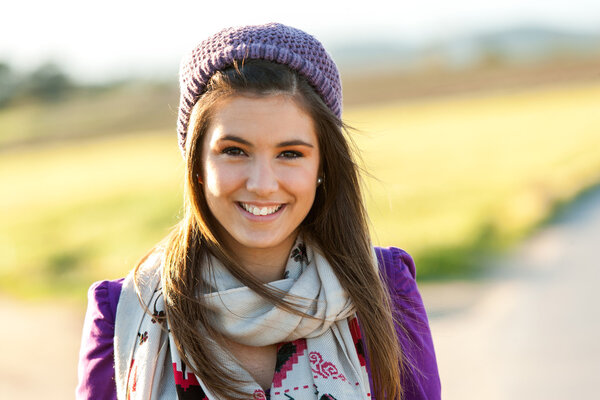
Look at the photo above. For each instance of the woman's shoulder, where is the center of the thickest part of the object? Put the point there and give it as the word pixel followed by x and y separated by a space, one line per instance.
pixel 103 298
pixel 398 269
pixel 104 295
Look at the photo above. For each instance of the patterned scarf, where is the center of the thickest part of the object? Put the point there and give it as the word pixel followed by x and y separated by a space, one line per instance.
pixel 317 358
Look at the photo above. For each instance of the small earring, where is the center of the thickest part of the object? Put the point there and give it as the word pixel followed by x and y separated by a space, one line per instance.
pixel 319 180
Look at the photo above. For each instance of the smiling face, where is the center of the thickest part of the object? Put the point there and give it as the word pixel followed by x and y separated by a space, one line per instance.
pixel 260 161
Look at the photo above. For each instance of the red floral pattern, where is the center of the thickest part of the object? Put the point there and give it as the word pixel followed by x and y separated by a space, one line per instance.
pixel 259 395
pixel 325 369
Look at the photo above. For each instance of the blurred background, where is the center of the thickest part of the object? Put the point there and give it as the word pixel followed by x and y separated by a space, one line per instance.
pixel 478 124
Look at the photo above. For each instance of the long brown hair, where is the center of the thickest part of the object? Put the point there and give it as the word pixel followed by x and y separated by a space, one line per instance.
pixel 337 223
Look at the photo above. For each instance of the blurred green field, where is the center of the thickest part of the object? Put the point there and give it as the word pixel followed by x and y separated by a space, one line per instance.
pixel 452 180
pixel 460 178
pixel 126 108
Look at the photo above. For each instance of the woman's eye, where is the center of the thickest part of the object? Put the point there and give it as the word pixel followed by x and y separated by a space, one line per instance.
pixel 290 154
pixel 233 151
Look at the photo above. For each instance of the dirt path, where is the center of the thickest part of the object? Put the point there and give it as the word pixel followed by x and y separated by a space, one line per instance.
pixel 529 331
pixel 38 346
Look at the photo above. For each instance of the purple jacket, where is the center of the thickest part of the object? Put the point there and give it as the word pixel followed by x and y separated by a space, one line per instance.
pixel 96 358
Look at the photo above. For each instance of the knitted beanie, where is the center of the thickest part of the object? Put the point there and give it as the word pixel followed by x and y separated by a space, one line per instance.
pixel 273 42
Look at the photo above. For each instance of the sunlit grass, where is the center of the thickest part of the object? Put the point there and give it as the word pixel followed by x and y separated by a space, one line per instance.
pixel 454 176
pixel 78 212
pixel 458 173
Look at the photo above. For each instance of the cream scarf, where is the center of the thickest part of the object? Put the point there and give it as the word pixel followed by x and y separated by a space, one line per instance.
pixel 317 358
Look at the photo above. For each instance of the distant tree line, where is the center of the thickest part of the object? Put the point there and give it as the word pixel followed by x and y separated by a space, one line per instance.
pixel 47 83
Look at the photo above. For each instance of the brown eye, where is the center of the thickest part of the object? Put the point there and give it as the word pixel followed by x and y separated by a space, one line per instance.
pixel 290 154
pixel 233 151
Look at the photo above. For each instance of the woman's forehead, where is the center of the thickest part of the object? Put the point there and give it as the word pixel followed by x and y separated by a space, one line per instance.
pixel 273 118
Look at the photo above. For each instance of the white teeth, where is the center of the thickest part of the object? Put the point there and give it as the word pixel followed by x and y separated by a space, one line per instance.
pixel 260 210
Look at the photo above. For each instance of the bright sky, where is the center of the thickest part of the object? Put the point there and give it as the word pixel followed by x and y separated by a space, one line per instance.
pixel 94 39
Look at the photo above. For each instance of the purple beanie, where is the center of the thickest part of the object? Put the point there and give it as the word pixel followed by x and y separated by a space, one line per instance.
pixel 273 42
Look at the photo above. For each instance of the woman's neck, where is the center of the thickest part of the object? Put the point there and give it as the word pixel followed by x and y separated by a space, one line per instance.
pixel 265 264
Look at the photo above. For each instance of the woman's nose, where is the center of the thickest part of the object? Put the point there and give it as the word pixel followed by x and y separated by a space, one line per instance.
pixel 262 178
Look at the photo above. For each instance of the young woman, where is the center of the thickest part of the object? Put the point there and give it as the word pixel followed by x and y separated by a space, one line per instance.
pixel 269 286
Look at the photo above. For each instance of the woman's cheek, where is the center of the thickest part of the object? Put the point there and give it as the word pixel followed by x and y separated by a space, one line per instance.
pixel 222 177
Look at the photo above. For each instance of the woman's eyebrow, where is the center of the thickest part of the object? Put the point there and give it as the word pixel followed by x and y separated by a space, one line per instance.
pixel 234 138
pixel 294 143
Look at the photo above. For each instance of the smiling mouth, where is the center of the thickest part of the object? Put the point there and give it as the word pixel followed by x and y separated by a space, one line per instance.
pixel 254 210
